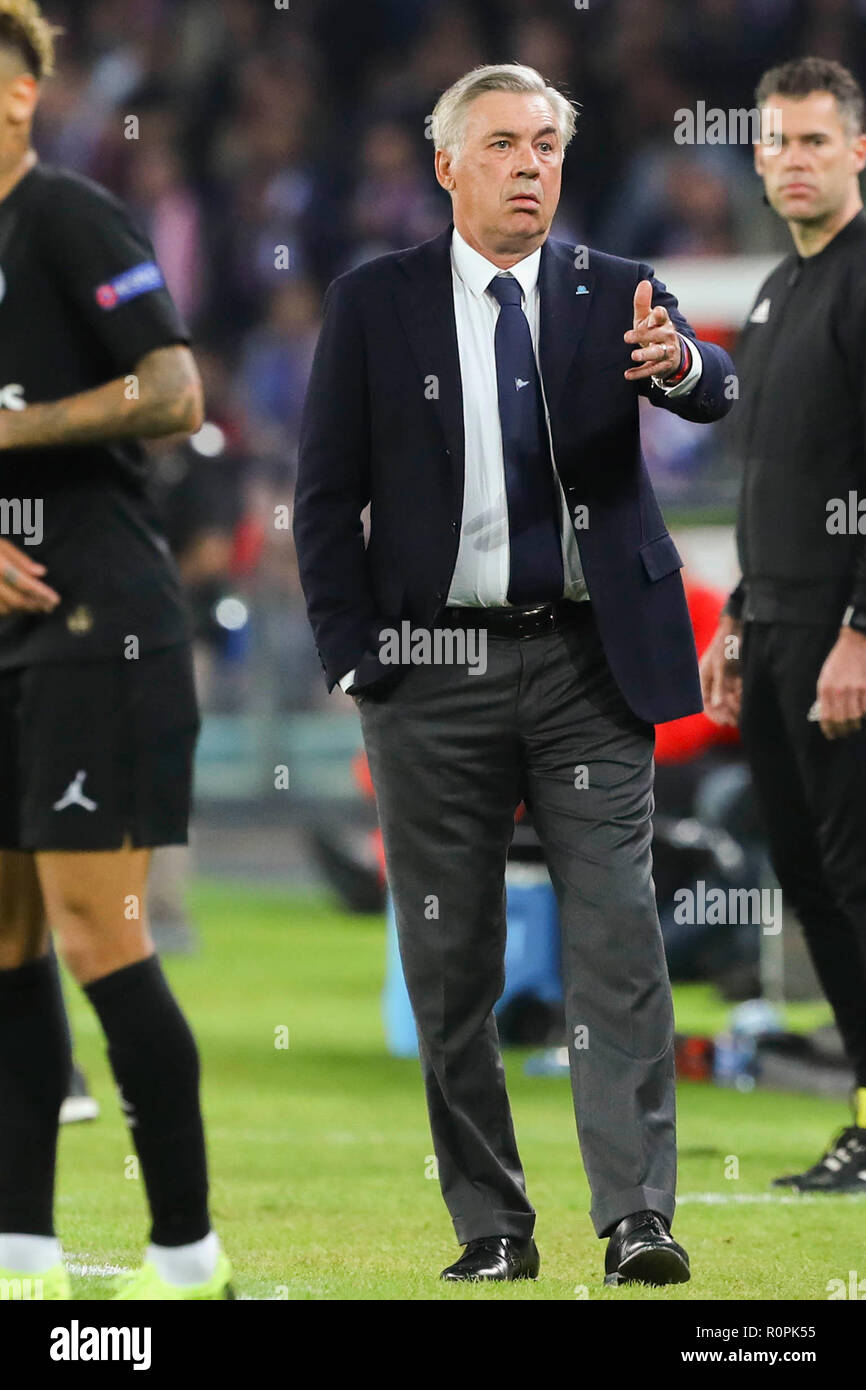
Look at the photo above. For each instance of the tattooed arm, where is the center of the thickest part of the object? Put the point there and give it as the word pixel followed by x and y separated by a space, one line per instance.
pixel 162 396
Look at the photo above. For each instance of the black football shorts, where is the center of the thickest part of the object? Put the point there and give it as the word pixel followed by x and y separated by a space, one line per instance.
pixel 95 753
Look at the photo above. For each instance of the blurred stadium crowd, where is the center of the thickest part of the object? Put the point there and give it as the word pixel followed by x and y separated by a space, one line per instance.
pixel 305 128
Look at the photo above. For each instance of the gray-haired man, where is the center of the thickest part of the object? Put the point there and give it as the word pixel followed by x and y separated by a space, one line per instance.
pixel 480 392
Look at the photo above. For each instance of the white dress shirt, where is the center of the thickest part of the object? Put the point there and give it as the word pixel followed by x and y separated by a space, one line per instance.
pixel 481 574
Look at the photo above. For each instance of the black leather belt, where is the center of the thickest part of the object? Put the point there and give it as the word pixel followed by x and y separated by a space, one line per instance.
pixel 527 621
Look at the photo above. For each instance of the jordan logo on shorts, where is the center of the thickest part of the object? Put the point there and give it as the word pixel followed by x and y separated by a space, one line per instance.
pixel 74 795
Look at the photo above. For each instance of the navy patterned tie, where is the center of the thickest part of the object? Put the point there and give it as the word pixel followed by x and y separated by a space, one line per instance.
pixel 534 525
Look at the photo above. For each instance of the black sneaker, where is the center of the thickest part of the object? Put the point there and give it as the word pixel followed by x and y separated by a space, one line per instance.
pixel 79 1104
pixel 841 1169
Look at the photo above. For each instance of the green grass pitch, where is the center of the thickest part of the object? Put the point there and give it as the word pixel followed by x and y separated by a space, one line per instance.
pixel 320 1151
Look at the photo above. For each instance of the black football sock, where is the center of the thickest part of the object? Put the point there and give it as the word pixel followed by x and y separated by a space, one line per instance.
pixel 155 1062
pixel 35 1064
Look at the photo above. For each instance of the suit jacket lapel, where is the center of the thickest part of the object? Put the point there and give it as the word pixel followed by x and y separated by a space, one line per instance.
pixel 565 296
pixel 425 303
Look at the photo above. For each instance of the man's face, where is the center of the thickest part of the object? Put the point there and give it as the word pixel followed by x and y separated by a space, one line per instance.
pixel 808 177
pixel 505 181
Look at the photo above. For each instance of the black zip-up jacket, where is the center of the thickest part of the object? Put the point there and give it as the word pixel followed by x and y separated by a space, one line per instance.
pixel 799 434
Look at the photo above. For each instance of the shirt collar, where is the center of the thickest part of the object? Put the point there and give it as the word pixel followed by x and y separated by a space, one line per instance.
pixel 476 271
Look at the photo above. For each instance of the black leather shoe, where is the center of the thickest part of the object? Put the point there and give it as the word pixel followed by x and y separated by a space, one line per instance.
pixel 642 1251
pixel 496 1257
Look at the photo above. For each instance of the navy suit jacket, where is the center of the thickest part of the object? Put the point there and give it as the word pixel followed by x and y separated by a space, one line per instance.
pixel 383 423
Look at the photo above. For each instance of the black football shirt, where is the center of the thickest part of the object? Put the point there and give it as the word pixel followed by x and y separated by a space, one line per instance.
pixel 81 302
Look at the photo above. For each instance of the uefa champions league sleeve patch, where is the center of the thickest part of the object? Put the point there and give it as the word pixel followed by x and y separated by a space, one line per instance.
pixel 132 283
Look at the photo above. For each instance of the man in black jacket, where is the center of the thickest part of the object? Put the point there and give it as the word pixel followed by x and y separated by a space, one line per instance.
pixel 789 658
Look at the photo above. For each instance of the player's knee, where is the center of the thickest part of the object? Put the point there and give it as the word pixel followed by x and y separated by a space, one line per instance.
pixel 77 947
pixel 82 934
pixel 92 947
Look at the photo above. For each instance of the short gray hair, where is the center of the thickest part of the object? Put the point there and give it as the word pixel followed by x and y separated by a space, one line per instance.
pixel 449 114
pixel 801 77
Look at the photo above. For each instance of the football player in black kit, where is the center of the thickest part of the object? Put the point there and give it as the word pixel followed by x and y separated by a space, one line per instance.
pixel 98 716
